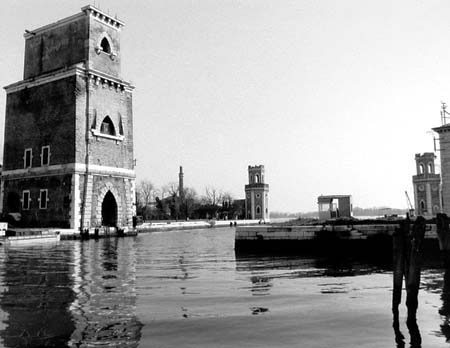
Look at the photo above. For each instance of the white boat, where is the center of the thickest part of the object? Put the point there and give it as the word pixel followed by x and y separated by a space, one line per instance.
pixel 34 238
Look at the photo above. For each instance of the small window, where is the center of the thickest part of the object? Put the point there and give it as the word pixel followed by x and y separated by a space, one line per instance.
pixel 258 195
pixel 256 179
pixel 107 126
pixel 430 168
pixel 26 200
pixel 105 46
pixel 45 156
pixel 27 158
pixel 43 198
pixel 258 209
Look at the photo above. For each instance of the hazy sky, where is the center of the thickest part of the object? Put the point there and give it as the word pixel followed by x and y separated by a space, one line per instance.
pixel 333 97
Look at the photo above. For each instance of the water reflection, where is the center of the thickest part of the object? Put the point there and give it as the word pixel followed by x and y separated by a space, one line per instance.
pixel 73 294
pixel 38 290
pixel 306 266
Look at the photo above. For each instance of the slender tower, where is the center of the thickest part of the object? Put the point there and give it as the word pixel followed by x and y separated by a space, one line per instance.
pixel 180 183
pixel 256 194
pixel 68 151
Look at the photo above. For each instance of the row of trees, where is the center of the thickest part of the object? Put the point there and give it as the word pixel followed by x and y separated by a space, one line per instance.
pixel 167 202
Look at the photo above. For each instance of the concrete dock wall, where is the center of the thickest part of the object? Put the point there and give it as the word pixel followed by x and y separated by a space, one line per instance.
pixel 286 233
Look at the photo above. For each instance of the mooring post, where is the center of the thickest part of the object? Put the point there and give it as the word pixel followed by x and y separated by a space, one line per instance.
pixel 399 241
pixel 412 277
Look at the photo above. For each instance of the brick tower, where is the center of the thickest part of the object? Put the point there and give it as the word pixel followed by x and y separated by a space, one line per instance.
pixel 68 151
pixel 426 183
pixel 256 194
pixel 444 149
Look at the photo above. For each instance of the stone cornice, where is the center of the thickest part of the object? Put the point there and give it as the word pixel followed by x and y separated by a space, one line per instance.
pixel 103 17
pixel 69 168
pixel 94 76
pixel 444 128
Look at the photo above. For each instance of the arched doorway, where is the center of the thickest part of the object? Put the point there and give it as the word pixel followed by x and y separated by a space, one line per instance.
pixel 109 210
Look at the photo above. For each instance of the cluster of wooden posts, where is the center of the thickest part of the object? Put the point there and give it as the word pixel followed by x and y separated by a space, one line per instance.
pixel 407 261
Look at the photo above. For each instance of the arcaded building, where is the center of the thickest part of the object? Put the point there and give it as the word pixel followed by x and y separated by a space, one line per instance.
pixel 426 184
pixel 256 194
pixel 68 147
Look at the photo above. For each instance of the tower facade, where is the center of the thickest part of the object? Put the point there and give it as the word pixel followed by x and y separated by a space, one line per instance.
pixel 444 147
pixel 256 194
pixel 426 183
pixel 68 151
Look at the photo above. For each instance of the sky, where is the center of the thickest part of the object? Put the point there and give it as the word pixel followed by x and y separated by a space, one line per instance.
pixel 331 96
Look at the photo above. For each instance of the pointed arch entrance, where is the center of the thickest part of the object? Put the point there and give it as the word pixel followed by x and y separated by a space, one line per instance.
pixel 109 210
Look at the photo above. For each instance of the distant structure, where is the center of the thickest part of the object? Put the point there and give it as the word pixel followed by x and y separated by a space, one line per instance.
pixel 68 149
pixel 335 206
pixel 444 148
pixel 426 183
pixel 181 184
pixel 256 194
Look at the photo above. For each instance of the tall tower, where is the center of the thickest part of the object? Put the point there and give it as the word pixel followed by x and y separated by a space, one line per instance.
pixel 426 183
pixel 256 194
pixel 68 152
pixel 444 149
pixel 180 183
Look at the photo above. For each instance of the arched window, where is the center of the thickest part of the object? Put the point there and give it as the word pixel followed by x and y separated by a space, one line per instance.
pixel 105 46
pixel 430 168
pixel 107 126
pixel 421 168
pixel 256 179
pixel 258 209
pixel 422 205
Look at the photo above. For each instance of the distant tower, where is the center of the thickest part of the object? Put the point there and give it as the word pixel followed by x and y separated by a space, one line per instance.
pixel 256 194
pixel 180 183
pixel 427 195
pixel 68 148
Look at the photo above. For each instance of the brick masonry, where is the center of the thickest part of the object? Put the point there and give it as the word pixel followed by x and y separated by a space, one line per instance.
pixel 71 85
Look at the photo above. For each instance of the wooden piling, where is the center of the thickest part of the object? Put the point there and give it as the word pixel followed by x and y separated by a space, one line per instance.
pixel 407 262
pixel 412 278
pixel 443 233
pixel 399 240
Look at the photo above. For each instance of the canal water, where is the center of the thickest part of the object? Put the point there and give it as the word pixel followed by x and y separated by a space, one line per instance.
pixel 190 289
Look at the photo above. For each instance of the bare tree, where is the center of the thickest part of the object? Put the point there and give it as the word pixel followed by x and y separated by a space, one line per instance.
pixel 146 192
pixel 171 189
pixel 190 201
pixel 213 196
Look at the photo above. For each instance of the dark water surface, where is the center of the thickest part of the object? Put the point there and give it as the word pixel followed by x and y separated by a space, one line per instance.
pixel 190 289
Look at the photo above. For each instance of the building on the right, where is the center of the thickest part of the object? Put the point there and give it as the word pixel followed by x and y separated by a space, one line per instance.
pixel 444 149
pixel 256 194
pixel 426 183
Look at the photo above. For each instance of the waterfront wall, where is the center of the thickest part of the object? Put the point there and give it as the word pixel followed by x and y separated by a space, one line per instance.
pixel 298 233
